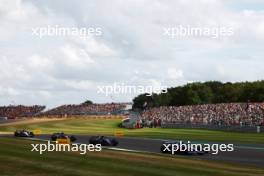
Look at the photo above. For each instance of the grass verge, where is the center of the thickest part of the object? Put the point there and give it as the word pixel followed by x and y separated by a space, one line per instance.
pixel 109 126
pixel 16 159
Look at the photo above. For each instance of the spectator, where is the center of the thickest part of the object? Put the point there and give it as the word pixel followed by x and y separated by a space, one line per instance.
pixel 229 114
pixel 86 109
pixel 20 111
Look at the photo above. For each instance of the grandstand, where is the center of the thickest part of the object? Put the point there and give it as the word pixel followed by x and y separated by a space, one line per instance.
pixel 13 112
pixel 87 109
pixel 224 114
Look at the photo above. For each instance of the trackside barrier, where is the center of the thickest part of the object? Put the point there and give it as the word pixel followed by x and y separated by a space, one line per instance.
pixel 119 133
pixel 63 141
pixel 82 116
pixel 250 129
pixel 37 131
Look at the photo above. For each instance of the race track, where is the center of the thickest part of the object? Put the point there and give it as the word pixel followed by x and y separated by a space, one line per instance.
pixel 243 154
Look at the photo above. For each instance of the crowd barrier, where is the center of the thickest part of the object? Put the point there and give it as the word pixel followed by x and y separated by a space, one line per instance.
pixel 251 129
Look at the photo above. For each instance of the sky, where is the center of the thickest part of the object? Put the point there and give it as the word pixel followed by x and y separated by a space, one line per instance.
pixel 131 47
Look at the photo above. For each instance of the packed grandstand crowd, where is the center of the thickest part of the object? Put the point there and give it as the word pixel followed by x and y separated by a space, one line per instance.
pixel 20 111
pixel 229 114
pixel 246 114
pixel 64 110
pixel 84 109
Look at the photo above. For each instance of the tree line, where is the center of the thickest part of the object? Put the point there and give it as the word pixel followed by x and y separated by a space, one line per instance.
pixel 210 92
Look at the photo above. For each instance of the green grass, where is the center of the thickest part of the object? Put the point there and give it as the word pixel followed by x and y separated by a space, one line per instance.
pixel 108 127
pixel 16 159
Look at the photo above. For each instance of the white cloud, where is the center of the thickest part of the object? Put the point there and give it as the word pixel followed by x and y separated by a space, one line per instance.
pixel 80 85
pixel 132 48
pixel 173 73
pixel 76 57
pixel 37 62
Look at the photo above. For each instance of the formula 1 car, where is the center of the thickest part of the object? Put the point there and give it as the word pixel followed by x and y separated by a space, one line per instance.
pixel 103 140
pixel 173 147
pixel 23 133
pixel 61 135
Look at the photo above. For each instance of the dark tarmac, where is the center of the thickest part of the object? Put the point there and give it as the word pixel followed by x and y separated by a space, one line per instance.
pixel 243 154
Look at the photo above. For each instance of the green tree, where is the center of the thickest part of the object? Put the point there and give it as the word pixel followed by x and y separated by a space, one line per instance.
pixel 88 102
pixel 204 93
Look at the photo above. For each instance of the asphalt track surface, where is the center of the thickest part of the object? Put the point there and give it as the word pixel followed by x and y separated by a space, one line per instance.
pixel 242 154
